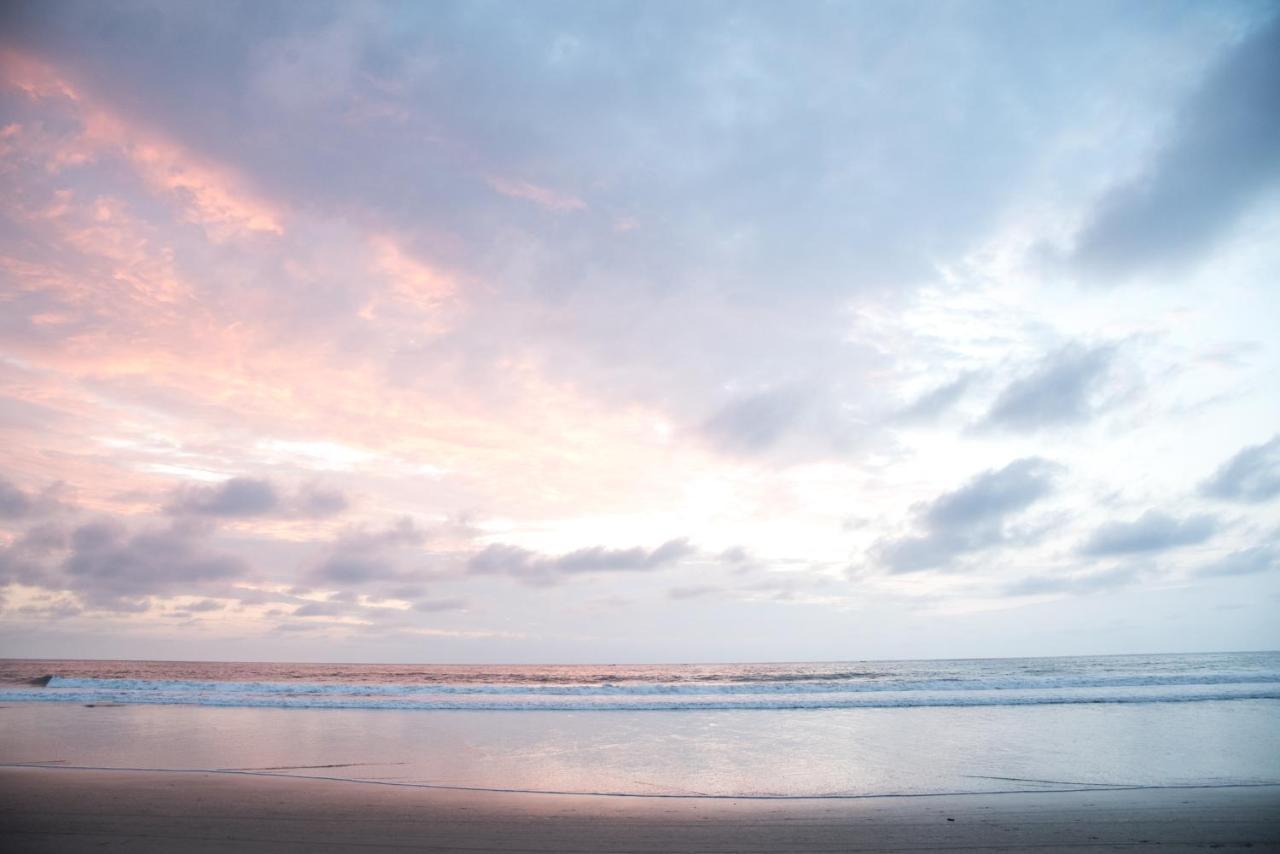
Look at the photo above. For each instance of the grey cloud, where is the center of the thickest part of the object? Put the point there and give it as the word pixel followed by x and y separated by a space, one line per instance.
pixel 756 422
pixel 354 569
pixel 17 504
pixel 1263 558
pixel 111 568
pixel 971 518
pixel 695 591
pixel 404 591
pixel 52 611
pixel 934 550
pixel 360 557
pixel 598 558
pixel 1224 155
pixel 1151 532
pixel 237 497
pixel 1093 582
pixel 404 532
pixel 934 403
pixel 14 503
pixel 1252 475
pixel 993 495
pixel 244 497
pixel 322 609
pixel 431 606
pixel 29 558
pixel 206 605
pixel 315 502
pixel 739 560
pixel 22 564
pixel 534 568
pixel 43 538
pixel 1063 389
pixel 304 627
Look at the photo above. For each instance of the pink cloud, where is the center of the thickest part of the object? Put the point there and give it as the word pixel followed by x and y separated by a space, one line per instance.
pixel 208 194
pixel 552 200
pixel 411 283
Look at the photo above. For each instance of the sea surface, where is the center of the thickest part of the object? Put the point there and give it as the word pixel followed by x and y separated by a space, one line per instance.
pixel 655 687
pixel 846 729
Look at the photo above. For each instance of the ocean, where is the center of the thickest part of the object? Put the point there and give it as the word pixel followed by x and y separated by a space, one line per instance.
pixel 841 729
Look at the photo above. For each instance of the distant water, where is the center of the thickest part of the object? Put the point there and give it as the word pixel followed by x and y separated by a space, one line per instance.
pixel 771 730
pixel 841 685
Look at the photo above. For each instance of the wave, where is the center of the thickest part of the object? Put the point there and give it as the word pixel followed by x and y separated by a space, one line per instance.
pixel 594 689
pixel 648 697
pixel 650 687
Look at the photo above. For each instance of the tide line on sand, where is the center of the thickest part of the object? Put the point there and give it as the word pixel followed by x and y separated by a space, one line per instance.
pixel 834 796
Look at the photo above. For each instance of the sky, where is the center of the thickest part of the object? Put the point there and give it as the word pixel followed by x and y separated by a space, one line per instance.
pixel 600 331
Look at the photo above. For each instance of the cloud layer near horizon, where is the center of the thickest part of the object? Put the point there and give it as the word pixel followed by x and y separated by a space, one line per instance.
pixel 600 329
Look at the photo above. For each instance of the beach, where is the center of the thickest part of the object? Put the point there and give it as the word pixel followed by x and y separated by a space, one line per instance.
pixel 1167 753
pixel 46 809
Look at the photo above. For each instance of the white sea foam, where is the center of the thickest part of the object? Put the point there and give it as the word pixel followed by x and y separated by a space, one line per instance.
pixel 646 697
pixel 1014 682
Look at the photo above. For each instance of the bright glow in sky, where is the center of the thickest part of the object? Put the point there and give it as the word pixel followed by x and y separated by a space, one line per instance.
pixel 638 331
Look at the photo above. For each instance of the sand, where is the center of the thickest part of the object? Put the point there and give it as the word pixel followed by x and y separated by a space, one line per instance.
pixel 58 809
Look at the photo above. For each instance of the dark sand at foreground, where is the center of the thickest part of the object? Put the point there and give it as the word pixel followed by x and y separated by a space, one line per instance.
pixel 46 809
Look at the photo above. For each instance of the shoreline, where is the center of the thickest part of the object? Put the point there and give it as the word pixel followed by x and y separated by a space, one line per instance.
pixel 67 809
pixel 1075 788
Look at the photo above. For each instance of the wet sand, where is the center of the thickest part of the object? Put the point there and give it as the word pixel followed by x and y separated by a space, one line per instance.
pixel 50 809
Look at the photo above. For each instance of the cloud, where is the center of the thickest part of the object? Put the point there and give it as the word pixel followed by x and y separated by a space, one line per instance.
pixel 1062 389
pixel 534 568
pixel 1151 532
pixel 26 560
pixel 541 196
pixel 756 422
pixel 695 591
pixel 993 495
pixel 1263 558
pixel 483 336
pixel 314 502
pixel 53 611
pixel 14 503
pixel 243 497
pixel 934 403
pixel 404 532
pixel 431 606
pixel 354 570
pixel 1252 475
pixel 17 504
pixel 360 557
pixel 108 567
pixel 321 609
pixel 1223 155
pixel 739 560
pixel 1038 585
pixel 237 497
pixel 970 518
pixel 205 193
